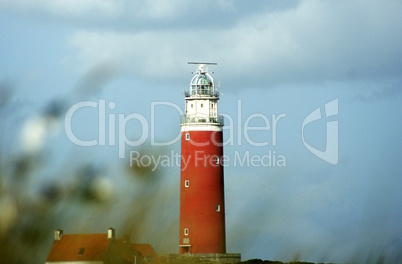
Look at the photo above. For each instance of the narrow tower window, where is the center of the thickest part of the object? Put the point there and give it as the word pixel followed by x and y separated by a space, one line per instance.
pixel 186 183
pixel 187 136
pixel 81 251
pixel 218 207
pixel 186 231
pixel 217 160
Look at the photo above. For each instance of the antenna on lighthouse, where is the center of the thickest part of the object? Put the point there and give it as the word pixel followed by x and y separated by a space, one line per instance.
pixel 201 65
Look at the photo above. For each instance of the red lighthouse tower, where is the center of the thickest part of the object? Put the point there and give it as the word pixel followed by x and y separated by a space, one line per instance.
pixel 202 205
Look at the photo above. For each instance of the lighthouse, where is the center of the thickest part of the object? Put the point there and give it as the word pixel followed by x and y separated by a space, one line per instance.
pixel 202 198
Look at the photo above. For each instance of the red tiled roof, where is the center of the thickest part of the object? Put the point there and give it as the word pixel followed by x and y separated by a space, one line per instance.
pixel 69 247
pixel 94 247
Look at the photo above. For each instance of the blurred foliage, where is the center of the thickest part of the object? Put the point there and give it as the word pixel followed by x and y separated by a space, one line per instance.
pixel 77 196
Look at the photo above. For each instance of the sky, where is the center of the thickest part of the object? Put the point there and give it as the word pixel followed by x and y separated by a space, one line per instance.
pixel 274 59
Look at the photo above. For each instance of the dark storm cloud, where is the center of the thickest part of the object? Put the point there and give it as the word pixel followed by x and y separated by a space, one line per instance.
pixel 270 42
pixel 314 41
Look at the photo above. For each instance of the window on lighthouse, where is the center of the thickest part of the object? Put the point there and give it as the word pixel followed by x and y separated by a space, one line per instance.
pixel 218 207
pixel 186 183
pixel 186 231
pixel 187 136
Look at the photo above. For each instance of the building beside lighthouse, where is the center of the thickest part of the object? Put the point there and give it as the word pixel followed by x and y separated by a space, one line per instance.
pixel 202 198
